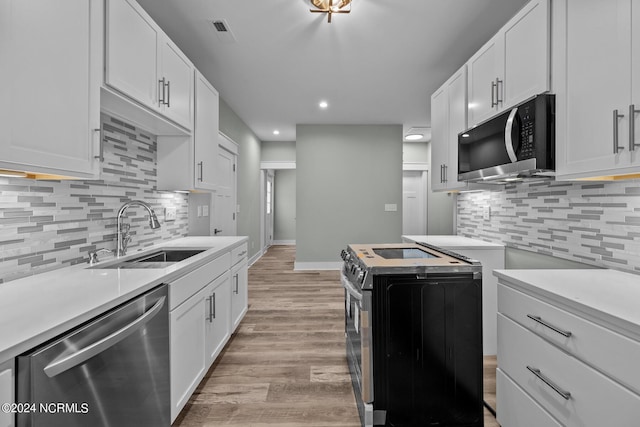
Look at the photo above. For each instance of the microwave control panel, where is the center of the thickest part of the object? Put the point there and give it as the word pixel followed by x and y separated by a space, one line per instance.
pixel 527 122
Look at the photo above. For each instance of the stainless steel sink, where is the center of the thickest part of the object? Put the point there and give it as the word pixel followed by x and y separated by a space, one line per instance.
pixel 158 259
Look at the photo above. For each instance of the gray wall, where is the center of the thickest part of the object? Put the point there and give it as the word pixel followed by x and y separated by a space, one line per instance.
pixel 276 151
pixel 248 223
pixel 345 176
pixel 284 210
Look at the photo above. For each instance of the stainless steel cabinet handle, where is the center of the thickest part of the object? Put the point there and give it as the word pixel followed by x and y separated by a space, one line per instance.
pixel 168 85
pixel 213 311
pixel 444 174
pixel 209 317
pixel 200 165
pixel 616 147
pixel 100 155
pixel 65 363
pixel 237 282
pixel 549 325
pixel 632 127
pixel 565 394
pixel 161 91
pixel 498 84
pixel 493 97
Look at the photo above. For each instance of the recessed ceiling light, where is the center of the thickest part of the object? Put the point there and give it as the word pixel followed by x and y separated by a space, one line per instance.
pixel 414 137
pixel 323 104
pixel 276 132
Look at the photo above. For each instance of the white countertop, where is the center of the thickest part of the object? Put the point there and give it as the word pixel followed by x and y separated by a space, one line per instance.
pixel 608 297
pixel 454 242
pixel 37 308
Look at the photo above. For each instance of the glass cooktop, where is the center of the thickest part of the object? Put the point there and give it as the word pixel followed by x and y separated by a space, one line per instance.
pixel 400 253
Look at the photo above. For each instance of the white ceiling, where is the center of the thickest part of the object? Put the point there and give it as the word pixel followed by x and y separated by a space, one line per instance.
pixel 377 65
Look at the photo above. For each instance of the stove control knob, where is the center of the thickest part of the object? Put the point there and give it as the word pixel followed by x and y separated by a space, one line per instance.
pixel 361 276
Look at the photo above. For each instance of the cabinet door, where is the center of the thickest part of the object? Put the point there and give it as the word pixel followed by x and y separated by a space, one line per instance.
pixel 205 134
pixel 239 292
pixel 177 94
pixel 132 55
pixel 187 334
pixel 635 82
pixel 6 392
pixel 484 74
pixel 51 59
pixel 439 137
pixel 217 326
pixel 592 75
pixel 457 88
pixel 526 53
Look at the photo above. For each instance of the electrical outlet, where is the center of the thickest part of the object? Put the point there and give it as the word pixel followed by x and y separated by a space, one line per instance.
pixel 170 214
pixel 391 207
pixel 486 213
pixel 205 210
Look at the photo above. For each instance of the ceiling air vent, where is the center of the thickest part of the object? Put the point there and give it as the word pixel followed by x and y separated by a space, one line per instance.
pixel 223 31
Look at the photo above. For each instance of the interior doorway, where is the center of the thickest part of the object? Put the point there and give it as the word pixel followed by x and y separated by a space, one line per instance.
pixel 414 202
pixel 269 192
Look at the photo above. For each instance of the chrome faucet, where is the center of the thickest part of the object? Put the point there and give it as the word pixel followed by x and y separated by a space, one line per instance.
pixel 123 229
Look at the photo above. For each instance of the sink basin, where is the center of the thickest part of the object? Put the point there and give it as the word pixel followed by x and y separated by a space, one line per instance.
pixel 158 259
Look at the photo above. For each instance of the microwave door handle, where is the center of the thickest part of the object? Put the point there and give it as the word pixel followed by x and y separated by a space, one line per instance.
pixel 508 143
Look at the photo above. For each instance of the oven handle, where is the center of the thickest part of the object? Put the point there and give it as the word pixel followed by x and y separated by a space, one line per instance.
pixel 350 288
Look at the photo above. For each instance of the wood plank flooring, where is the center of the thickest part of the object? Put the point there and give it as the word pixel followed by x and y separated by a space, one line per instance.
pixel 286 365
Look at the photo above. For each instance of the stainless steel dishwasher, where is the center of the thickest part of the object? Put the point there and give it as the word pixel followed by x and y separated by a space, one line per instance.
pixel 111 371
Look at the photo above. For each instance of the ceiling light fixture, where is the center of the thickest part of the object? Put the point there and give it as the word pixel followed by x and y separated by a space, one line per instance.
pixel 331 6
pixel 323 104
pixel 276 132
pixel 414 137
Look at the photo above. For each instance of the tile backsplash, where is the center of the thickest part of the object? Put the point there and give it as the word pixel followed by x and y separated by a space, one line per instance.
pixel 46 225
pixel 597 222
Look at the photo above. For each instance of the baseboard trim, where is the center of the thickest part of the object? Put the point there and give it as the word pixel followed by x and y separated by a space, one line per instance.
pixel 284 242
pixel 334 265
pixel 256 257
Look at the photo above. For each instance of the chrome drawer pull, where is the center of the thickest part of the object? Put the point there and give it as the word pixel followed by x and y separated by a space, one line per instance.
pixel 548 325
pixel 565 394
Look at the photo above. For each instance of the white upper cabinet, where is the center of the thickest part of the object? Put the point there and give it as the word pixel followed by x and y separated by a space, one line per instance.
pixel 206 134
pixel 596 70
pixel 50 67
pixel 448 118
pixel 189 162
pixel 513 66
pixel 145 65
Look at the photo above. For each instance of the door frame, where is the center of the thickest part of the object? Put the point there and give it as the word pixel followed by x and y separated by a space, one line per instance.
pixel 424 168
pixel 267 167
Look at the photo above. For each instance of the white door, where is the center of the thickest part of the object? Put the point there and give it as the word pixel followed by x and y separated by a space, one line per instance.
pixel 224 200
pixel 268 232
pixel 414 202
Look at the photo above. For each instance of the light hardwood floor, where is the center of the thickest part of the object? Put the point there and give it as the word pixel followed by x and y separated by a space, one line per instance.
pixel 286 365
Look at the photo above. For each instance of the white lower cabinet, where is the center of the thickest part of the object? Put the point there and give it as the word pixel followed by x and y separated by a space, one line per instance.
pixel 558 364
pixel 187 349
pixel 201 320
pixel 7 393
pixel 218 318
pixel 239 291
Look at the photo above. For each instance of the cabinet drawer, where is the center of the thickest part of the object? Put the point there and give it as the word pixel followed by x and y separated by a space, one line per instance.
pixel 607 351
pixel 237 254
pixel 594 400
pixel 516 408
pixel 187 285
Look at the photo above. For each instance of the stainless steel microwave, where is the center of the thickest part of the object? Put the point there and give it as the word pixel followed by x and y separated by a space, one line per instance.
pixel 518 143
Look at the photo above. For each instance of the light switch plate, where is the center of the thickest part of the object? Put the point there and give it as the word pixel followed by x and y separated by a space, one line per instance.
pixel 199 211
pixel 170 214
pixel 205 210
pixel 390 207
pixel 486 213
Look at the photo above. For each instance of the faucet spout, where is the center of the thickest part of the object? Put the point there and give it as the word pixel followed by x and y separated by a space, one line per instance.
pixel 123 232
